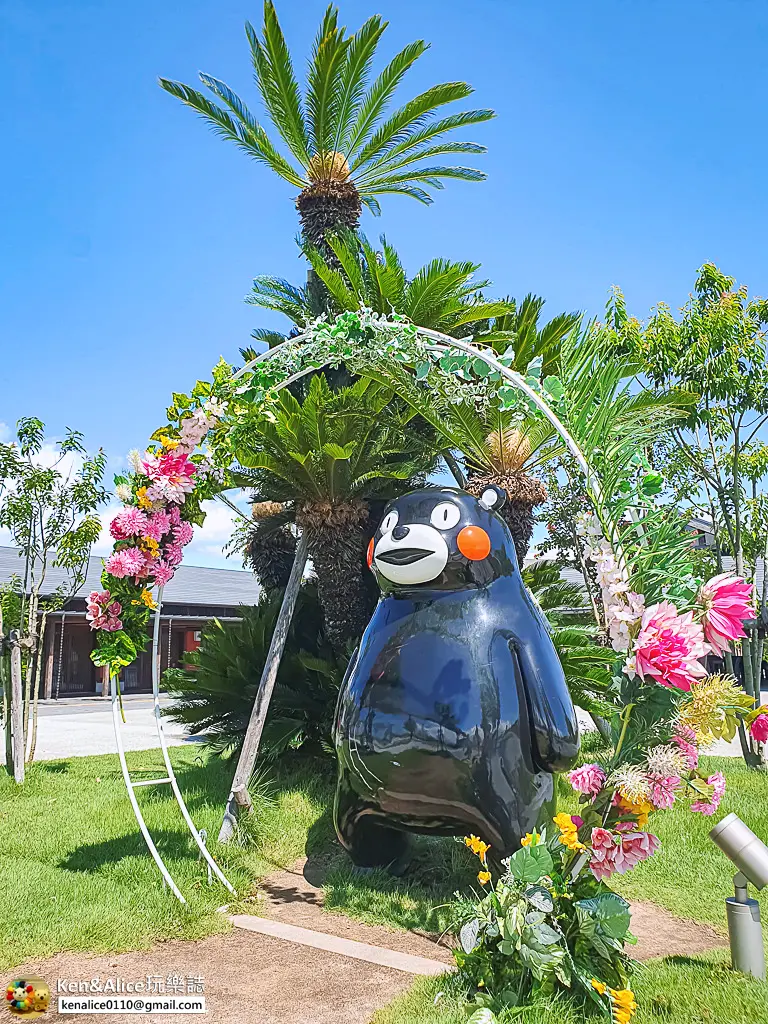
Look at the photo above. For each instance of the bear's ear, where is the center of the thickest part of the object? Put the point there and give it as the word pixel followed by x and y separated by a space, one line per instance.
pixel 493 498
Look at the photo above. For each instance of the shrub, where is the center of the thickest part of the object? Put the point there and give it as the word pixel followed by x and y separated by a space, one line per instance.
pixel 216 694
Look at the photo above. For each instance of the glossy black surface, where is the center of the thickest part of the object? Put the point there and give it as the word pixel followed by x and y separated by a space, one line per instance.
pixel 454 710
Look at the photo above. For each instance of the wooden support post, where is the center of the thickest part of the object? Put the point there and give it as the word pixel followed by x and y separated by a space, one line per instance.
pixel 250 750
pixel 17 709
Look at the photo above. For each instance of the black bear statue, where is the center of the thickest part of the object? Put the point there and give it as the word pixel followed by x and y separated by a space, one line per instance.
pixel 454 713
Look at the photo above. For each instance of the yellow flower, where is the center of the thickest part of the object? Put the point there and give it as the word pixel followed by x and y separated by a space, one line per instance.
pixel 599 986
pixel 530 839
pixel 147 599
pixel 569 835
pixel 150 545
pixel 623 1005
pixel 477 846
pixel 168 443
pixel 144 501
pixel 642 809
pixel 484 877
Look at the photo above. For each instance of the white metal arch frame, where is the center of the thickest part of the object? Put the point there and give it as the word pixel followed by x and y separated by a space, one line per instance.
pixel 169 778
pixel 440 343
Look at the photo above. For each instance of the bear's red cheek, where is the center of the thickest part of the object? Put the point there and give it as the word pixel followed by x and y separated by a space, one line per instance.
pixel 474 543
pixel 369 556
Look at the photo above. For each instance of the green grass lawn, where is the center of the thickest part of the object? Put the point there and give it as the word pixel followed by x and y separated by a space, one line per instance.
pixel 75 872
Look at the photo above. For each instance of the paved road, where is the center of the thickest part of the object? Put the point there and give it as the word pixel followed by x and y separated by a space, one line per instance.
pixel 77 726
pixel 82 725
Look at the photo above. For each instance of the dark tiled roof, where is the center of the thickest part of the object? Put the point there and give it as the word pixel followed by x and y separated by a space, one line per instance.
pixel 192 584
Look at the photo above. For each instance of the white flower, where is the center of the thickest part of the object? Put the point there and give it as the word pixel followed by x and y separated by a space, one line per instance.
pixel 123 491
pixel 134 457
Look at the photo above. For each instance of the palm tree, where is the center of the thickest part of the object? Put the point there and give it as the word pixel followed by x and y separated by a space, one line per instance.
pixel 443 295
pixel 340 149
pixel 328 458
pixel 532 339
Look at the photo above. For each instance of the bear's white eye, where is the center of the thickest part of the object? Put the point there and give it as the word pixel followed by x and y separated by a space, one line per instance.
pixel 389 522
pixel 445 515
pixel 489 497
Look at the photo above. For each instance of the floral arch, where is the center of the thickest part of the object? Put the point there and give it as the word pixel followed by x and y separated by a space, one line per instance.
pixel 661 620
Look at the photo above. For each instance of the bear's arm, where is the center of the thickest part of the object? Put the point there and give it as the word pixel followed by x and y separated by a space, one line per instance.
pixel 554 727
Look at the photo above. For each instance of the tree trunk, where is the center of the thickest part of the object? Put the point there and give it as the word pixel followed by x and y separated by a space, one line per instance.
pixel 250 751
pixel 17 710
pixel 36 689
pixel 32 636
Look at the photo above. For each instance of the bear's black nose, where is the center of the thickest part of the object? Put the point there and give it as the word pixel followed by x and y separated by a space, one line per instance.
pixel 401 532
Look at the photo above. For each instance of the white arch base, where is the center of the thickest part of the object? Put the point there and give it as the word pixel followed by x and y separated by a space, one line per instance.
pixel 168 779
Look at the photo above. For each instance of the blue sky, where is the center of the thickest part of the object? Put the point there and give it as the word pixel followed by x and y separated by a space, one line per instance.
pixel 629 148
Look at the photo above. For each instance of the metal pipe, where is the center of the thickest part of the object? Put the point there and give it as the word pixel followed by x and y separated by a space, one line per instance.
pixel 180 619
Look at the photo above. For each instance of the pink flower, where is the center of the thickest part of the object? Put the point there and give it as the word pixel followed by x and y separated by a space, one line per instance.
pixel 616 852
pixel 588 779
pixel 126 562
pixel 103 612
pixel 171 475
pixel 669 646
pixel 174 514
pixel 710 806
pixel 663 790
pixel 129 523
pixel 726 603
pixel 688 751
pixel 162 572
pixel 759 728
pixel 158 524
pixel 183 533
pixel 173 554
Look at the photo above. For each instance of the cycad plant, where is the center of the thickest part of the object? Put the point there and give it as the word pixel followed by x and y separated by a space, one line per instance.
pixel 497 446
pixel 341 146
pixel 214 696
pixel 443 295
pixel 328 457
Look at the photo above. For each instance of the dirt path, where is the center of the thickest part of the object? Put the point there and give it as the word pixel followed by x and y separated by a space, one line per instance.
pixel 252 977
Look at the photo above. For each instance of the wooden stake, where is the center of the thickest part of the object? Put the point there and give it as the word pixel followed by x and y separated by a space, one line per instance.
pixel 250 750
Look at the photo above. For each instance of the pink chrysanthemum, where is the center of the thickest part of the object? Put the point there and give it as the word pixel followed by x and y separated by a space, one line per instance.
pixel 162 572
pixel 758 729
pixel 726 603
pixel 103 612
pixel 669 646
pixel 183 533
pixel 126 562
pixel 131 522
pixel 663 790
pixel 158 524
pixel 589 779
pixel 173 554
pixel 616 852
pixel 710 806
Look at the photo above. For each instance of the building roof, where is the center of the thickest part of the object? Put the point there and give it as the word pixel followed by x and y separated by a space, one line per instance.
pixel 192 584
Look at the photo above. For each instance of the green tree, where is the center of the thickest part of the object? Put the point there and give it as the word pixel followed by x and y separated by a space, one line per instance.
pixel 328 457
pixel 341 146
pixel 50 512
pixel 717 348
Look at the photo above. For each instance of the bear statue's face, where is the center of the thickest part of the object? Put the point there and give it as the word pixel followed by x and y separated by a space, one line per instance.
pixel 443 537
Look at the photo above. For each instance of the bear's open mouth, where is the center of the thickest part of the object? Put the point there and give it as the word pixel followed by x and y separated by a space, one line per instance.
pixel 403 556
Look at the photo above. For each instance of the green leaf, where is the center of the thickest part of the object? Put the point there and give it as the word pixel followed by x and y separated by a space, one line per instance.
pixel 483 1016
pixel 554 387
pixel 468 935
pixel 609 910
pixel 530 863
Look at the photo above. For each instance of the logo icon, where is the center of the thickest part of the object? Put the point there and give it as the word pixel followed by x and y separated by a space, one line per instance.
pixel 27 997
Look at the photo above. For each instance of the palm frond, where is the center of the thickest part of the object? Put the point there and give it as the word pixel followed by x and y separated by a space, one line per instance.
pixel 276 81
pixel 354 77
pixel 375 100
pixel 325 85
